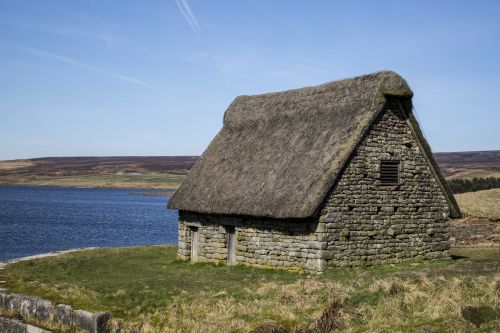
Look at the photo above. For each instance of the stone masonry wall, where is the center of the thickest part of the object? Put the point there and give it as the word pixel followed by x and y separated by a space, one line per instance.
pixel 260 242
pixel 364 222
pixel 361 222
pixel 34 307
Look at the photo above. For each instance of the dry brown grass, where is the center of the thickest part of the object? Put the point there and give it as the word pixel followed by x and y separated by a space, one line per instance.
pixel 437 299
pixel 288 305
pixel 149 292
pixel 469 173
pixel 100 181
pixel 403 305
pixel 16 164
pixel 483 204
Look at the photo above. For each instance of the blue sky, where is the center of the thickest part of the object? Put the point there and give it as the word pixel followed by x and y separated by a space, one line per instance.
pixel 155 77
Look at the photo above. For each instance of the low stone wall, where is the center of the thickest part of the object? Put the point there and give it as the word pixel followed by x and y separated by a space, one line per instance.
pixel 8 325
pixel 475 232
pixel 261 242
pixel 30 306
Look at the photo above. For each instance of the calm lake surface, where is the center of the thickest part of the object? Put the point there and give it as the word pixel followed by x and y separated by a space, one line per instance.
pixel 37 220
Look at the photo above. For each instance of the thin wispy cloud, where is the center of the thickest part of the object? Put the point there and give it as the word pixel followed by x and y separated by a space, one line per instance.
pixel 105 37
pixel 188 15
pixel 66 31
pixel 76 63
pixel 140 83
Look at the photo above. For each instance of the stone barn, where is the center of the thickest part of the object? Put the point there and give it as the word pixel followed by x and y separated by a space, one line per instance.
pixel 333 175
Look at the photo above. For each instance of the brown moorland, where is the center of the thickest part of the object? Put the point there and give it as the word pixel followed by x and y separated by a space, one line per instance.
pixel 162 172
pixel 168 171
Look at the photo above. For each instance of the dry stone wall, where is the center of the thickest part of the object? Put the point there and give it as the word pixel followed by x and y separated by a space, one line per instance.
pixel 361 222
pixel 31 306
pixel 9 325
pixel 260 242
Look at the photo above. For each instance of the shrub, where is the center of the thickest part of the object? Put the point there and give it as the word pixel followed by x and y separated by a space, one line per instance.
pixel 474 184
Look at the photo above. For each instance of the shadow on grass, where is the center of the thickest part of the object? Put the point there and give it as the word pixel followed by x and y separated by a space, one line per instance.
pixel 479 314
pixel 456 257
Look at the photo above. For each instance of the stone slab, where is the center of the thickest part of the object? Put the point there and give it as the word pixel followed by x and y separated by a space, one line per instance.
pixel 29 306
pixel 8 325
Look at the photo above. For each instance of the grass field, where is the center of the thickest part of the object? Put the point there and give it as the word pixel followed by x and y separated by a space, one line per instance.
pixel 471 173
pixel 148 172
pixel 132 180
pixel 150 291
pixel 14 164
pixel 166 172
pixel 484 204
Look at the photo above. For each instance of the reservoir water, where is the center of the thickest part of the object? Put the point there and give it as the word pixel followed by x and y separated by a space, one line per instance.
pixel 36 220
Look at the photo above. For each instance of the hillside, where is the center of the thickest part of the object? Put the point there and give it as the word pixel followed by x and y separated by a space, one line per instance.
pixel 168 171
pixel 121 171
pixel 91 165
pixel 469 164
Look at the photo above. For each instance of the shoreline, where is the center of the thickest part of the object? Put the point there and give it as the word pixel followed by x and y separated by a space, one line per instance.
pixel 110 186
pixel 4 263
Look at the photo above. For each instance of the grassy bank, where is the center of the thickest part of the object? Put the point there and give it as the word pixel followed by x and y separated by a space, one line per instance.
pixel 152 292
pixel 133 180
pixel 484 204
pixel 159 172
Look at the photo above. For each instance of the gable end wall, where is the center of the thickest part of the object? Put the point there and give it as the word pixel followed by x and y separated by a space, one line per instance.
pixel 366 223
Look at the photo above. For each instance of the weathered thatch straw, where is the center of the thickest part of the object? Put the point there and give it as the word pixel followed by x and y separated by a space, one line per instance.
pixel 279 154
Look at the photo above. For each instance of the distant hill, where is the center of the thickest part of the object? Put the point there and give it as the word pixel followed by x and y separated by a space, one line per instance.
pixel 158 172
pixel 171 169
pixel 469 164
pixel 71 166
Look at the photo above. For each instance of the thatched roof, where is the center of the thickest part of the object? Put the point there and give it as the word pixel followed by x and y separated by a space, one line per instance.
pixel 278 154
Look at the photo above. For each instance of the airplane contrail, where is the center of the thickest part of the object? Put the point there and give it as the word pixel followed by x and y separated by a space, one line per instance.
pixel 188 15
pixel 73 62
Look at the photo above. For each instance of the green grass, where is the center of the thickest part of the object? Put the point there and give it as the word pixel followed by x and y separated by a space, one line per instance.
pixel 147 285
pixel 121 279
